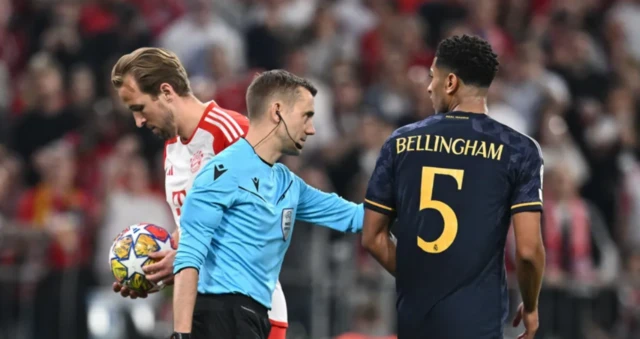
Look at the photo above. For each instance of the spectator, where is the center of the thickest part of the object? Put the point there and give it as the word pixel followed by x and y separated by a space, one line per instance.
pixel 574 234
pixel 367 324
pixel 200 28
pixel 48 117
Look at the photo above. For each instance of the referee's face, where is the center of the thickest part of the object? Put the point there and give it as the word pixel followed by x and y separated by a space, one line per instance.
pixel 299 123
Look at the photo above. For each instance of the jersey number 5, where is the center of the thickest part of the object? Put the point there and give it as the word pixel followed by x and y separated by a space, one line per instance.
pixel 450 229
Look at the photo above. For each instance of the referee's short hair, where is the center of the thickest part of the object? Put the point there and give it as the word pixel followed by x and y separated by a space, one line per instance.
pixel 275 83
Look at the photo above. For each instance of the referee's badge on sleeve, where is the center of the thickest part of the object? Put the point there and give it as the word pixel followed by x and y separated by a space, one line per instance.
pixel 287 222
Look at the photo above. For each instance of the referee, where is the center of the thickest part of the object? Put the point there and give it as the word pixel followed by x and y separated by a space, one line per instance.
pixel 238 218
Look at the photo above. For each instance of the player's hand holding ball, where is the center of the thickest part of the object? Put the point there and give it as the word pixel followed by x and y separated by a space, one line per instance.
pixel 530 321
pixel 141 259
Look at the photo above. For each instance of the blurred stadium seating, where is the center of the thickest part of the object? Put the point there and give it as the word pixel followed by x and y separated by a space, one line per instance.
pixel 74 170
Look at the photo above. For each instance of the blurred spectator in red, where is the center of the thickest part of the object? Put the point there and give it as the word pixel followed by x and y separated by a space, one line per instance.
pixel 574 234
pixel 58 205
pixel 628 325
pixel 130 200
pixel 13 43
pixel 483 20
pixel 68 215
pixel 158 14
pixel 367 324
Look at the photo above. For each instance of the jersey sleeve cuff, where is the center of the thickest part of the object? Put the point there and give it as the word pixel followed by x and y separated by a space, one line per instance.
pixel 535 206
pixel 378 207
pixel 180 267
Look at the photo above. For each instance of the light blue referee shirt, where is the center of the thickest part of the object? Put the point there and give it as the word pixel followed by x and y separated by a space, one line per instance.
pixel 238 218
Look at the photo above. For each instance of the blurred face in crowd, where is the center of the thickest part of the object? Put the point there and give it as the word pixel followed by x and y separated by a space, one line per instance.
pixel 154 113
pixel 633 266
pixel 138 175
pixel 49 84
pixel 56 165
pixel 82 86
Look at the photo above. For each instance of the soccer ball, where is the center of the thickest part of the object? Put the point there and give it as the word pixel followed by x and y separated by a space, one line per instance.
pixel 130 253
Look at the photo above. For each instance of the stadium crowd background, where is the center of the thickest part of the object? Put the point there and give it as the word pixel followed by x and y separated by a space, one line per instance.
pixel 74 170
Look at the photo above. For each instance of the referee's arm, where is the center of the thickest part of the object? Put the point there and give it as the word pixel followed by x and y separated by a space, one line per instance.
pixel 328 209
pixel 201 214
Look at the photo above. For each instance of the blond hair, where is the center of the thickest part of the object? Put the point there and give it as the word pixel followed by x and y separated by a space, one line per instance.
pixel 151 67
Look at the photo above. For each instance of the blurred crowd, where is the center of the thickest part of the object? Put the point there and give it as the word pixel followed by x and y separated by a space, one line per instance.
pixel 74 170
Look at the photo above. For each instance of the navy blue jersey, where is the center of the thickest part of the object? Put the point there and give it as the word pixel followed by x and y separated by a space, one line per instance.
pixel 453 181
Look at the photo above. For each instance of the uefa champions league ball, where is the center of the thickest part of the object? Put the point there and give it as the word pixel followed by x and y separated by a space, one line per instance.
pixel 130 253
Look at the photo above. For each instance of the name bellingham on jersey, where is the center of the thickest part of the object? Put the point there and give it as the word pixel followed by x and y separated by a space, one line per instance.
pixel 454 180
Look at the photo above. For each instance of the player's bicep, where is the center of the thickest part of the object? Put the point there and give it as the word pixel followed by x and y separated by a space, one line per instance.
pixel 527 194
pixel 375 225
pixel 380 196
pixel 527 232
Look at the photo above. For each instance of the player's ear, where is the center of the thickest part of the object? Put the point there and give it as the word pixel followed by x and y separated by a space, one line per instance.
pixel 451 83
pixel 166 91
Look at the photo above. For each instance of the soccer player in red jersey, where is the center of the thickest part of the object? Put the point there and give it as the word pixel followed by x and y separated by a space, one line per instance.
pixel 154 85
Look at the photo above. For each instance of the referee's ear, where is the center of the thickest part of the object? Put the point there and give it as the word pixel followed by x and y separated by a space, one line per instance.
pixel 275 112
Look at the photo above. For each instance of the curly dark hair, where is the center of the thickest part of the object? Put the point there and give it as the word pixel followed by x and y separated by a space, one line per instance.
pixel 470 58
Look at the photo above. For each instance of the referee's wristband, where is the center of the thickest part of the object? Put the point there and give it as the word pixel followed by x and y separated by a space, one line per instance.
pixel 177 335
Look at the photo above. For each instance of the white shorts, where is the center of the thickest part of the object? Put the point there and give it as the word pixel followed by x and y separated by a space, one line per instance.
pixel 278 312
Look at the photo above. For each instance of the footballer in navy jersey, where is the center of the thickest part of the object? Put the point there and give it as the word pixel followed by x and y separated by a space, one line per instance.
pixel 454 181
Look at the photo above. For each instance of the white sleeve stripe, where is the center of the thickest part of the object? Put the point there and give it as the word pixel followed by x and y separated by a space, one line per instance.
pixel 221 119
pixel 230 119
pixel 220 127
pixel 536 144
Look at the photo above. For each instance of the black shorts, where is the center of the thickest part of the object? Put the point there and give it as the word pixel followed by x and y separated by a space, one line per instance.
pixel 229 316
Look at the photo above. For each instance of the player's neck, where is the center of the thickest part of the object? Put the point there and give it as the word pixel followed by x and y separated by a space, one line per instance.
pixel 471 105
pixel 264 143
pixel 189 114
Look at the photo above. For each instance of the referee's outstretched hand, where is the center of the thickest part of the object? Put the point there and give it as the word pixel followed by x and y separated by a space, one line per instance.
pixel 529 320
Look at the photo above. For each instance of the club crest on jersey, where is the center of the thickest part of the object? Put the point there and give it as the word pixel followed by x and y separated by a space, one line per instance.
pixel 196 161
pixel 287 222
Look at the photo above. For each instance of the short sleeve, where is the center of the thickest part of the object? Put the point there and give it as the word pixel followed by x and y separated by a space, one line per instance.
pixel 380 195
pixel 527 192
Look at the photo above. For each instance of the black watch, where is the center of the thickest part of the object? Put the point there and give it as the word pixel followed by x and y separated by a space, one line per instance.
pixel 177 335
